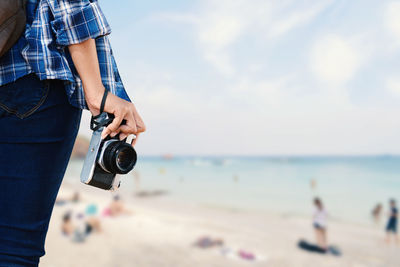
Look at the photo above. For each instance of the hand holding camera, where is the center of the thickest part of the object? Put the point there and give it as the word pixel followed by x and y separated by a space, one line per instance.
pixel 109 154
pixel 122 110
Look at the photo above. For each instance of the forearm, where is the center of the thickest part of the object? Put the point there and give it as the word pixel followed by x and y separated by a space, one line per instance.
pixel 85 59
pixel 84 56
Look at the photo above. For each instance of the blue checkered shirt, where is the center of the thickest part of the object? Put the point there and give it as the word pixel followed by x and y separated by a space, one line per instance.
pixel 51 26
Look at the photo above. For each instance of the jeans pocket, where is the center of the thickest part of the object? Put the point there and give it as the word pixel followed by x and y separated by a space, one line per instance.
pixel 24 96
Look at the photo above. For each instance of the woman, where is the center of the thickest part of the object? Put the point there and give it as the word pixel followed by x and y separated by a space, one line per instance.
pixel 391 227
pixel 62 64
pixel 319 223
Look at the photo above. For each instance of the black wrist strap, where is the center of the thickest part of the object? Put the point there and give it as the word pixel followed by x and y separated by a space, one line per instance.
pixel 103 101
pixel 94 123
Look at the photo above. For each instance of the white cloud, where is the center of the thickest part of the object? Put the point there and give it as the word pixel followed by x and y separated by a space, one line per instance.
pixel 296 18
pixel 392 20
pixel 221 24
pixel 334 59
pixel 220 30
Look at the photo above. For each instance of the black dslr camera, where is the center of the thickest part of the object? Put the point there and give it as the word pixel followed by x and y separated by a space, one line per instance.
pixel 106 158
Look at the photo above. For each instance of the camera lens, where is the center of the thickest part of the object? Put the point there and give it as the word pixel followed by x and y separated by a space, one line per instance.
pixel 119 157
pixel 125 158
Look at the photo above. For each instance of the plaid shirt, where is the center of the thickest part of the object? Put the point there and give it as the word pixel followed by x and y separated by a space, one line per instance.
pixel 51 26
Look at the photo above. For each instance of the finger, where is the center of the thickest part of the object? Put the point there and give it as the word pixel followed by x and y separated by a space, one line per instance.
pixel 130 120
pixel 140 127
pixel 108 132
pixel 122 136
pixel 113 127
pixel 112 134
pixel 139 124
pixel 104 133
pixel 128 129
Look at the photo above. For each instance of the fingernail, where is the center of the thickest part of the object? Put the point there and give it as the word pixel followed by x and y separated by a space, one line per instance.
pixel 113 134
pixel 122 137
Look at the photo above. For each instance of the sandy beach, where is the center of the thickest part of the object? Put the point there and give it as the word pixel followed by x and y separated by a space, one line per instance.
pixel 161 232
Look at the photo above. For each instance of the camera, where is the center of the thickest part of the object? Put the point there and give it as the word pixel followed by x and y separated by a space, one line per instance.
pixel 106 158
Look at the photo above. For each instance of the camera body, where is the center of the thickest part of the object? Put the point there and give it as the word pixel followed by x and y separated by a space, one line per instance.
pixel 106 158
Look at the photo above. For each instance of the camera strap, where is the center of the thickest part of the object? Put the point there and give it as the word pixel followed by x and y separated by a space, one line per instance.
pixel 94 123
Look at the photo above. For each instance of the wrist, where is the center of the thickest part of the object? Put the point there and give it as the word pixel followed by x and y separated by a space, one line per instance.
pixel 93 96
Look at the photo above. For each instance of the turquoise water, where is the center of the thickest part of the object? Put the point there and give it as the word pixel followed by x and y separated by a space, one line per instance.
pixel 349 186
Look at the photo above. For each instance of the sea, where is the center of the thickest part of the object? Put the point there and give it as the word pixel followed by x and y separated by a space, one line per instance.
pixel 350 187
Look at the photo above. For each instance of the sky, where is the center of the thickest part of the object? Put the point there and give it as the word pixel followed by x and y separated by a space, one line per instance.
pixel 259 77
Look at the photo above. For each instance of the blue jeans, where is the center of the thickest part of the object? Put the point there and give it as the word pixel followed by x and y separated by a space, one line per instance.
pixel 38 128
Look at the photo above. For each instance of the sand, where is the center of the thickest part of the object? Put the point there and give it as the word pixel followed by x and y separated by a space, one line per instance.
pixel 161 233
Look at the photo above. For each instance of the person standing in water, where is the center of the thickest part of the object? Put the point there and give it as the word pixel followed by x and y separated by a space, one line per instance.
pixel 391 228
pixel 377 213
pixel 320 224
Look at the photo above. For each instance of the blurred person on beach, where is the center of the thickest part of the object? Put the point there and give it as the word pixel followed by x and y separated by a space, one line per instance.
pixel 320 224
pixel 377 213
pixel 81 230
pixel 67 228
pixel 76 197
pixel 62 63
pixel 92 219
pixel 391 227
pixel 313 184
pixel 117 208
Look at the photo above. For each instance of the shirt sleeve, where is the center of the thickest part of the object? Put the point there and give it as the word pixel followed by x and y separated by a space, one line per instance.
pixel 76 21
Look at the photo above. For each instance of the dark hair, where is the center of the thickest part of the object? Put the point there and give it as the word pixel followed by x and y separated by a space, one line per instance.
pixel 67 217
pixel 392 201
pixel 318 202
